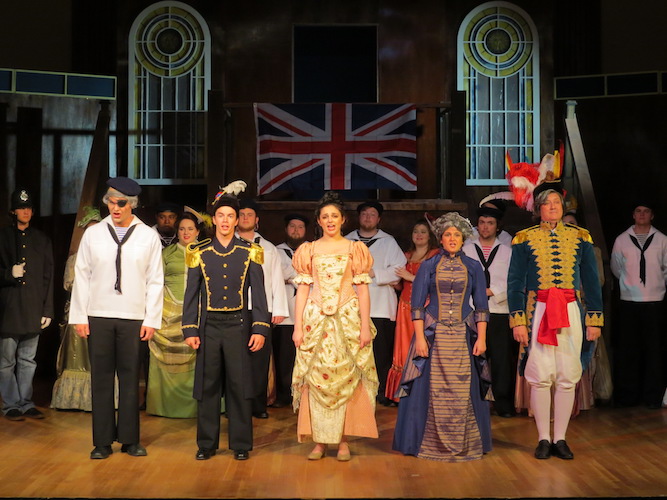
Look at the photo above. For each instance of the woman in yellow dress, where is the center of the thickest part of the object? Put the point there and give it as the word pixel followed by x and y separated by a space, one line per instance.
pixel 334 381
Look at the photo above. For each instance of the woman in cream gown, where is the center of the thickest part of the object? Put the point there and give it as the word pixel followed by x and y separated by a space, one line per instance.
pixel 334 380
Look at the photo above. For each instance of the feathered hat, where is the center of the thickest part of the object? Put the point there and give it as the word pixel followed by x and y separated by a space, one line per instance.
pixel 227 196
pixel 526 180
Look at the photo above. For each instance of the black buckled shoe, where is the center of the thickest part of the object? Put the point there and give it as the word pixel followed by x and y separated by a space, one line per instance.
pixel 204 454
pixel 241 455
pixel 543 450
pixel 260 414
pixel 100 452
pixel 135 450
pixel 561 450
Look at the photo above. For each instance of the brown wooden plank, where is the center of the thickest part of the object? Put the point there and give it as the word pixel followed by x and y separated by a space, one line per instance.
pixel 618 452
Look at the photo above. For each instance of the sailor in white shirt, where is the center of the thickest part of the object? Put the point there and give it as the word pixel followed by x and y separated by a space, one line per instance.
pixel 502 350
pixel 276 299
pixel 387 257
pixel 639 261
pixel 284 351
pixel 116 304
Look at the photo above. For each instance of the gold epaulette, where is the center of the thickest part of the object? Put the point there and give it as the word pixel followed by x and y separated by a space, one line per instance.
pixel 585 235
pixel 256 253
pixel 522 235
pixel 193 251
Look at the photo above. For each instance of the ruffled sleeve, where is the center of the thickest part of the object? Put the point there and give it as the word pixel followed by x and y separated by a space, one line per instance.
pixel 302 262
pixel 362 262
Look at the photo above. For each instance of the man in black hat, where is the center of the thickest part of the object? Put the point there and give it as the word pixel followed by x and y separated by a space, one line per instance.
pixel 284 351
pixel 166 214
pixel 26 305
pixel 502 350
pixel 639 261
pixel 117 304
pixel 387 257
pixel 551 263
pixel 219 325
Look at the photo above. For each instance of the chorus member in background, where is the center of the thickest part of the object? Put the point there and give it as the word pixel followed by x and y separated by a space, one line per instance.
pixel 276 299
pixel 424 245
pixel 502 350
pixel 335 382
pixel 283 345
pixel 443 414
pixel 387 258
pixel 639 261
pixel 172 364
pixel 26 305
pixel 71 390
pixel 116 305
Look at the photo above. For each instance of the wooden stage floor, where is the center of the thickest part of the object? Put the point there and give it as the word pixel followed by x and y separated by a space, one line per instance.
pixel 618 453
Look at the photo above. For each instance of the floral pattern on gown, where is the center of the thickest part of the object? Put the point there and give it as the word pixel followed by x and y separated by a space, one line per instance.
pixel 338 378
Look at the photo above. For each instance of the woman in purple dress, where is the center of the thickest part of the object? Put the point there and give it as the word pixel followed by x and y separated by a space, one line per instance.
pixel 442 414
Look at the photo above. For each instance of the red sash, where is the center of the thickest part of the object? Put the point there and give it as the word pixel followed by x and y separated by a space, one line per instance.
pixel 555 315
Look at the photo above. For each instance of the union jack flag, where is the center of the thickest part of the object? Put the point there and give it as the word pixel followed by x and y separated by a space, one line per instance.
pixel 302 147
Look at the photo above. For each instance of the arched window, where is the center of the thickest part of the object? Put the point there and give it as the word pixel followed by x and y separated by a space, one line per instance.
pixel 169 80
pixel 498 51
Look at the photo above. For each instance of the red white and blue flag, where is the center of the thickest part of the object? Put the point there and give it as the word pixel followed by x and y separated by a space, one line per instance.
pixel 303 147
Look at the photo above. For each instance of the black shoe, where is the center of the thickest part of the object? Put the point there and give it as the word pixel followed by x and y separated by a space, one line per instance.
pixel 14 415
pixel 543 450
pixel 280 404
pixel 385 401
pixel 506 414
pixel 33 413
pixel 204 454
pixel 241 455
pixel 560 449
pixel 654 406
pixel 135 450
pixel 101 452
pixel 259 414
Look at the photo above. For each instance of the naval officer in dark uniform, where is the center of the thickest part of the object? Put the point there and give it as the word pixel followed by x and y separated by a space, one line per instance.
pixel 218 323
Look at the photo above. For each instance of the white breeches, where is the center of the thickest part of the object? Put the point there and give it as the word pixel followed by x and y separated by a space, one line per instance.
pixel 560 365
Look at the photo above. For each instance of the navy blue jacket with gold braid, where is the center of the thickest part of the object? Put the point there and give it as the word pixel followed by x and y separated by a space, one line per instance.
pixel 218 280
pixel 563 258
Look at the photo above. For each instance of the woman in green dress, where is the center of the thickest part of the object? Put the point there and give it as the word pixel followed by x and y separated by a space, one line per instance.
pixel 71 390
pixel 172 362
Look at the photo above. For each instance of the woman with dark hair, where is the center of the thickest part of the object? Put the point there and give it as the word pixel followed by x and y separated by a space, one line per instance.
pixel 172 363
pixel 423 246
pixel 335 382
pixel 442 414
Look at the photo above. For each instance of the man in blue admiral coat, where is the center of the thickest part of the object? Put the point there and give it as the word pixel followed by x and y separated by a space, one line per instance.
pixel 551 263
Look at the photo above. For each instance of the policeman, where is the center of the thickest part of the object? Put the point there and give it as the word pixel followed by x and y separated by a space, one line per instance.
pixel 26 305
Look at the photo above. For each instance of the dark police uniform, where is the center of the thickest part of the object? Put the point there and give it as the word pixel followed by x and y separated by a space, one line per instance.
pixel 215 309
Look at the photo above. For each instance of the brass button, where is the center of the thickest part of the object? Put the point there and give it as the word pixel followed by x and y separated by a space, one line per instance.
pixel 224 297
pixel 224 265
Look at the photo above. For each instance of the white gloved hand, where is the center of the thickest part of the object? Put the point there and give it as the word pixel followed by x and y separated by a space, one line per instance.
pixel 18 270
pixel 45 322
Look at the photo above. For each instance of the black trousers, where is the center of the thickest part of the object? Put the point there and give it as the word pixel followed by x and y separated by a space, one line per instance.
pixel 284 354
pixel 113 346
pixel 225 354
pixel 383 349
pixel 260 375
pixel 639 350
pixel 502 353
